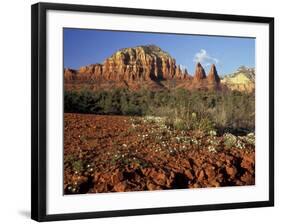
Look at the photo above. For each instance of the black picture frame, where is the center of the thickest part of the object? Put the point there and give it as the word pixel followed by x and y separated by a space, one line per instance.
pixel 38 109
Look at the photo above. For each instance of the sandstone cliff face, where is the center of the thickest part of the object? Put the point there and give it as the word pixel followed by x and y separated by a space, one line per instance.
pixel 89 72
pixel 202 82
pixel 69 74
pixel 241 80
pixel 199 73
pixel 213 77
pixel 155 69
pixel 140 63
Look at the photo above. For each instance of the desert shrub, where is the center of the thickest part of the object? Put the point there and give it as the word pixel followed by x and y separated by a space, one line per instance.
pixel 180 124
pixel 187 122
pixel 204 124
pixel 235 111
pixel 182 109
pixel 78 166
pixel 229 140
pixel 69 158
pixel 176 123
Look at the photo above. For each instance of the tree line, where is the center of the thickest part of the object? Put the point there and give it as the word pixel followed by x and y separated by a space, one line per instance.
pixel 183 109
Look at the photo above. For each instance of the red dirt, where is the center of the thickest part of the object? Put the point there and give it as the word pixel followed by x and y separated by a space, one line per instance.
pixel 122 153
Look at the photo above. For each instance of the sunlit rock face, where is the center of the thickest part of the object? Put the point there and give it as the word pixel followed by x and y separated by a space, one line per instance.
pixel 242 80
pixel 151 67
pixel 140 63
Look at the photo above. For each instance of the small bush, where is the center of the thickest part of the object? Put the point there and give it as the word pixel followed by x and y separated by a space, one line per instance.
pixel 182 109
pixel 205 125
pixel 229 140
pixel 177 123
pixel 78 166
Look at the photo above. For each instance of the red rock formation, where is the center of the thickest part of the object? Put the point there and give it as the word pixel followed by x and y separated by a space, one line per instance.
pixel 139 63
pixel 132 67
pixel 213 77
pixel 178 73
pixel 185 74
pixel 199 73
pixel 69 74
pixel 89 72
pixel 142 63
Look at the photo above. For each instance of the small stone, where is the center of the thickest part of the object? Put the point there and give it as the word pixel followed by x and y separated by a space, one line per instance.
pixel 121 186
pixel 248 178
pixel 158 177
pixel 150 186
pixel 117 177
pixel 189 174
pixel 215 183
pixel 201 176
pixel 210 172
pixel 231 171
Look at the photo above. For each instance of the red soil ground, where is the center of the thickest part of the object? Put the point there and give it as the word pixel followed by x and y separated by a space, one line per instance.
pixel 122 153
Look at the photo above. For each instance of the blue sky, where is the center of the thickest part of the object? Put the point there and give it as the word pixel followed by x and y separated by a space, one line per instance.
pixel 86 46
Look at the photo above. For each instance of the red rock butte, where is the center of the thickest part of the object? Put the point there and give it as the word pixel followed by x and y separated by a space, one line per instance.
pixel 213 77
pixel 199 73
pixel 147 66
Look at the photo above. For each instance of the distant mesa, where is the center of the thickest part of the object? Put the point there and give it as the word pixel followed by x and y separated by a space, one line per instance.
pixel 142 66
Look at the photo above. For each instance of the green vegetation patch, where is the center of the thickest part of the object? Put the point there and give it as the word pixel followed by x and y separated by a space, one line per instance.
pixel 179 109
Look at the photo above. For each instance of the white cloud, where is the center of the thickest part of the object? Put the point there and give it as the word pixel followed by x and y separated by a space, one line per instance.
pixel 204 58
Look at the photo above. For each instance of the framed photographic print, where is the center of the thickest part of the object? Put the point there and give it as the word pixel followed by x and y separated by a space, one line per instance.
pixel 139 111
